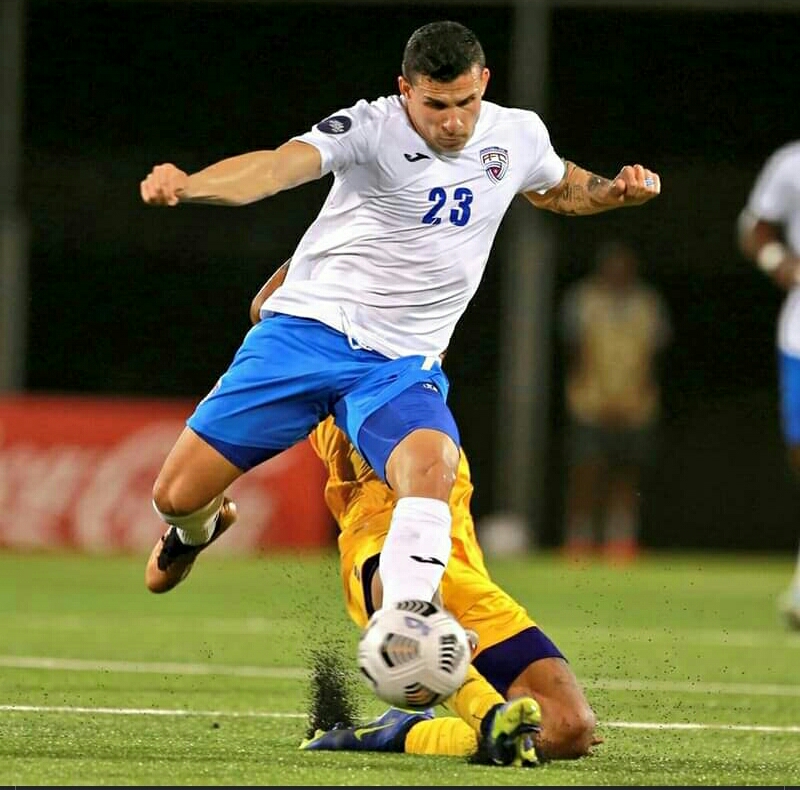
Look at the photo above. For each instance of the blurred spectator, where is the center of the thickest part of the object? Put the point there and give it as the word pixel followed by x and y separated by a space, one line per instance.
pixel 614 325
pixel 769 235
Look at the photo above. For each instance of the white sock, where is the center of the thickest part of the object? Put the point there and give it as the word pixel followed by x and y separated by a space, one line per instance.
pixel 420 529
pixel 195 528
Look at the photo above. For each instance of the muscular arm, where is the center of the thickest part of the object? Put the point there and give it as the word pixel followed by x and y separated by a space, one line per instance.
pixel 236 181
pixel 582 192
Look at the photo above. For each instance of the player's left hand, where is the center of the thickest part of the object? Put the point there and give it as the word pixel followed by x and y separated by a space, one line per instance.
pixel 634 185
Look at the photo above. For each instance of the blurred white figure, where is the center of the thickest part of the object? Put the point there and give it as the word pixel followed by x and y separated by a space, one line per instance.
pixel 769 235
pixel 504 535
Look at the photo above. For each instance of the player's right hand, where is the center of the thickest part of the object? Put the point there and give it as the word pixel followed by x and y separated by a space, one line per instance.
pixel 163 186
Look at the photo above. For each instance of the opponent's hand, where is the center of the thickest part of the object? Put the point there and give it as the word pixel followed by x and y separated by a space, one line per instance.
pixel 163 186
pixel 634 185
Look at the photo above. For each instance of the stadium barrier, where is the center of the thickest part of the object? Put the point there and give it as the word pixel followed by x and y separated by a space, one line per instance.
pixel 77 473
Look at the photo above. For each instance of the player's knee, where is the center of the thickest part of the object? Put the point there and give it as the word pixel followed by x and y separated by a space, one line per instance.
pixel 170 500
pixel 432 478
pixel 570 734
pixel 425 464
pixel 579 731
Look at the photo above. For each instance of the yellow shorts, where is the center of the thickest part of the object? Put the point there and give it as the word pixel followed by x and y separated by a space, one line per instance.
pixel 472 597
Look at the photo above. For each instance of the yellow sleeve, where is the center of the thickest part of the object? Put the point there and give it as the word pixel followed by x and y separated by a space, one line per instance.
pixel 327 439
pixel 352 490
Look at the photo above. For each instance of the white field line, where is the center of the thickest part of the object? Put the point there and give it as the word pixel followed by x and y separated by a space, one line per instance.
pixel 151 668
pixel 693 636
pixel 298 673
pixel 214 625
pixel 698 687
pixel 256 714
pixel 231 714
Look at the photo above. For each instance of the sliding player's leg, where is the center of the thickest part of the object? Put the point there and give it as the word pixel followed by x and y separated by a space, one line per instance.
pixel 362 505
pixel 485 722
pixel 516 657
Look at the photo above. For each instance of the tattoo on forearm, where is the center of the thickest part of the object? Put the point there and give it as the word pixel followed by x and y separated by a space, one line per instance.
pixel 583 192
pixel 596 183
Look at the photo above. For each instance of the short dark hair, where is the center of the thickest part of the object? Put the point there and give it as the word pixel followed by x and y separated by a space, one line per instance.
pixel 441 51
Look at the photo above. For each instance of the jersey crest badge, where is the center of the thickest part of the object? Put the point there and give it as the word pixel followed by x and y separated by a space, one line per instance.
pixel 336 124
pixel 495 162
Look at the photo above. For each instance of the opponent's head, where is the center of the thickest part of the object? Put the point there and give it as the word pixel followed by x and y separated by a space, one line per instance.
pixel 444 78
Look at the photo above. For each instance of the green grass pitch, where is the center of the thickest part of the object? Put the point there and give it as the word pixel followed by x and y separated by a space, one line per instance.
pixel 694 677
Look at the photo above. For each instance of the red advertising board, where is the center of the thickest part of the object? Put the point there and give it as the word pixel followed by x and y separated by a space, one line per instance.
pixel 78 472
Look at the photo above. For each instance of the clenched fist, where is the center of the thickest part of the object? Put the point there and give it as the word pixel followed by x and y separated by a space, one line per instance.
pixel 635 185
pixel 163 186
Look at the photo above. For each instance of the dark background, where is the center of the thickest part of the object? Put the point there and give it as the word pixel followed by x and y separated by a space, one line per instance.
pixel 130 300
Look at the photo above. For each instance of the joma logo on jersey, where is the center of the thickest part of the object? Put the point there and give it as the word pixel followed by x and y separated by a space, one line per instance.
pixel 495 162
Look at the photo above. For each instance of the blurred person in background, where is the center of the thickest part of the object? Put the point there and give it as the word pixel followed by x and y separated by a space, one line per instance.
pixel 614 327
pixel 769 235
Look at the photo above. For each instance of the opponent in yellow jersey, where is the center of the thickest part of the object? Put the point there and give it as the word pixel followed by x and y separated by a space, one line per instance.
pixel 513 660
pixel 361 505
pixel 513 654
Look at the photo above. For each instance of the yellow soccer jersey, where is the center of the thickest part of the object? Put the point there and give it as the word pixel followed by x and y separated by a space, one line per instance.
pixel 361 505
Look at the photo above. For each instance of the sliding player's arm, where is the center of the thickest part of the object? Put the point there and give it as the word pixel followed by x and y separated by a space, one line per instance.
pixel 582 192
pixel 270 286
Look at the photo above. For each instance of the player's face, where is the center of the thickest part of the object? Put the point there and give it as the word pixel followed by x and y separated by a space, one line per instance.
pixel 445 113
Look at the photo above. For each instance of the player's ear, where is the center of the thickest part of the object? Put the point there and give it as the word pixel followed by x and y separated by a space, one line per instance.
pixel 485 74
pixel 404 86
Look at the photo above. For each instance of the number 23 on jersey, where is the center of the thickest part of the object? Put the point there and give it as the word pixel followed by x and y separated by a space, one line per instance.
pixel 456 208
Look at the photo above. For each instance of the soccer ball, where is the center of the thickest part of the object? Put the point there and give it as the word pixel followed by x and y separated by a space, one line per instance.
pixel 413 654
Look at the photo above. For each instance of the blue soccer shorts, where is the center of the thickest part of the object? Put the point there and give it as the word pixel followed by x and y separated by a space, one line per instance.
pixel 789 380
pixel 290 373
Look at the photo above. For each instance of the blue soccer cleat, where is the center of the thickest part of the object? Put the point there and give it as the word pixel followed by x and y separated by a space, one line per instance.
pixel 509 731
pixel 385 734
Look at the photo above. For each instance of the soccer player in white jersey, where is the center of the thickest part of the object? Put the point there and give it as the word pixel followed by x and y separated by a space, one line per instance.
pixel 378 282
pixel 769 234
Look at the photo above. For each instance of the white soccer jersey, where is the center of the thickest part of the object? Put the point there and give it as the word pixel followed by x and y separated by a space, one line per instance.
pixel 401 242
pixel 775 198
